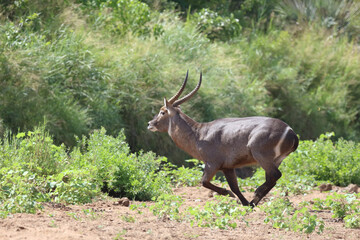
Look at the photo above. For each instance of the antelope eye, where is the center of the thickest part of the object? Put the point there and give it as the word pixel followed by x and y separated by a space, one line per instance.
pixel 162 113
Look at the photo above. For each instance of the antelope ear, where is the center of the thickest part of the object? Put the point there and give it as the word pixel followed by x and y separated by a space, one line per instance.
pixel 166 103
pixel 169 107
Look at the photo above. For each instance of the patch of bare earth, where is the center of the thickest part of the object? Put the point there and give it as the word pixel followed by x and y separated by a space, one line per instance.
pixel 110 220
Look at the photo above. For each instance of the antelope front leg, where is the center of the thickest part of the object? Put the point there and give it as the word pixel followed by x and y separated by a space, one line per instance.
pixel 233 183
pixel 209 173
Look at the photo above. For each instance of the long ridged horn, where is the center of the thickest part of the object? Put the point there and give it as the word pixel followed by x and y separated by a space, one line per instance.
pixel 177 95
pixel 188 96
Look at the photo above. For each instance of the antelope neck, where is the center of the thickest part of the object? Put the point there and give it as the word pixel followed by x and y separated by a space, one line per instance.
pixel 184 131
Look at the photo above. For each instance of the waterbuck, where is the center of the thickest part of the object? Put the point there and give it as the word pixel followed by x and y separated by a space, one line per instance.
pixel 228 143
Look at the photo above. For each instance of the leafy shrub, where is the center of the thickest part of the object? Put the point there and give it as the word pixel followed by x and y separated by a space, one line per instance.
pixel 136 177
pixel 21 191
pixel 34 170
pixel 77 190
pixel 117 170
pixel 122 16
pixel 326 160
pixel 33 152
pixel 100 154
pixel 215 26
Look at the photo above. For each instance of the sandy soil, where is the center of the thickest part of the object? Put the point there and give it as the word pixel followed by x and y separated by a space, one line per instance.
pixel 106 219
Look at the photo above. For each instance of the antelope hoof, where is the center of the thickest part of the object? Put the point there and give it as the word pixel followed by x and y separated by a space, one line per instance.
pixel 230 194
pixel 252 204
pixel 244 203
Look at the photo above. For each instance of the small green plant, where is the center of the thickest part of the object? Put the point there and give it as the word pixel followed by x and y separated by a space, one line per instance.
pixel 305 222
pixel 167 206
pixel 91 213
pixel 20 191
pixel 74 216
pixel 293 184
pixel 352 220
pixel 221 213
pixel 277 212
pixel 282 214
pixel 138 207
pixel 53 224
pixel 127 218
pixel 343 207
pixel 120 234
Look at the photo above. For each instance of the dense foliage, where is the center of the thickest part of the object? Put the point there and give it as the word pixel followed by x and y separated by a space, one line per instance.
pixel 84 64
pixel 34 170
pixel 337 162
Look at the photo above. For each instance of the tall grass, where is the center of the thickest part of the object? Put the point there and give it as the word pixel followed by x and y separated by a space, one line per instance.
pixel 340 16
pixel 309 79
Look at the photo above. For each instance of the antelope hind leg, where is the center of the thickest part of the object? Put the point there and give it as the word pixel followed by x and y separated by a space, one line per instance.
pixel 265 188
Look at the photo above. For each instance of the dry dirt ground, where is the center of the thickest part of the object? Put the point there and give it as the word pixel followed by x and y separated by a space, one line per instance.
pixel 107 220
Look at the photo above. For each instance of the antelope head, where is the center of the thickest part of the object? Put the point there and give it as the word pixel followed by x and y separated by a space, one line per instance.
pixel 171 108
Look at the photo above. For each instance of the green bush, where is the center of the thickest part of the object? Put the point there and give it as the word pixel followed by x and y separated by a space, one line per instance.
pixel 21 191
pixel 116 170
pixel 215 26
pixel 352 220
pixel 326 160
pixel 34 170
pixel 136 177
pixel 123 16
pixel 33 152
pixel 76 190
